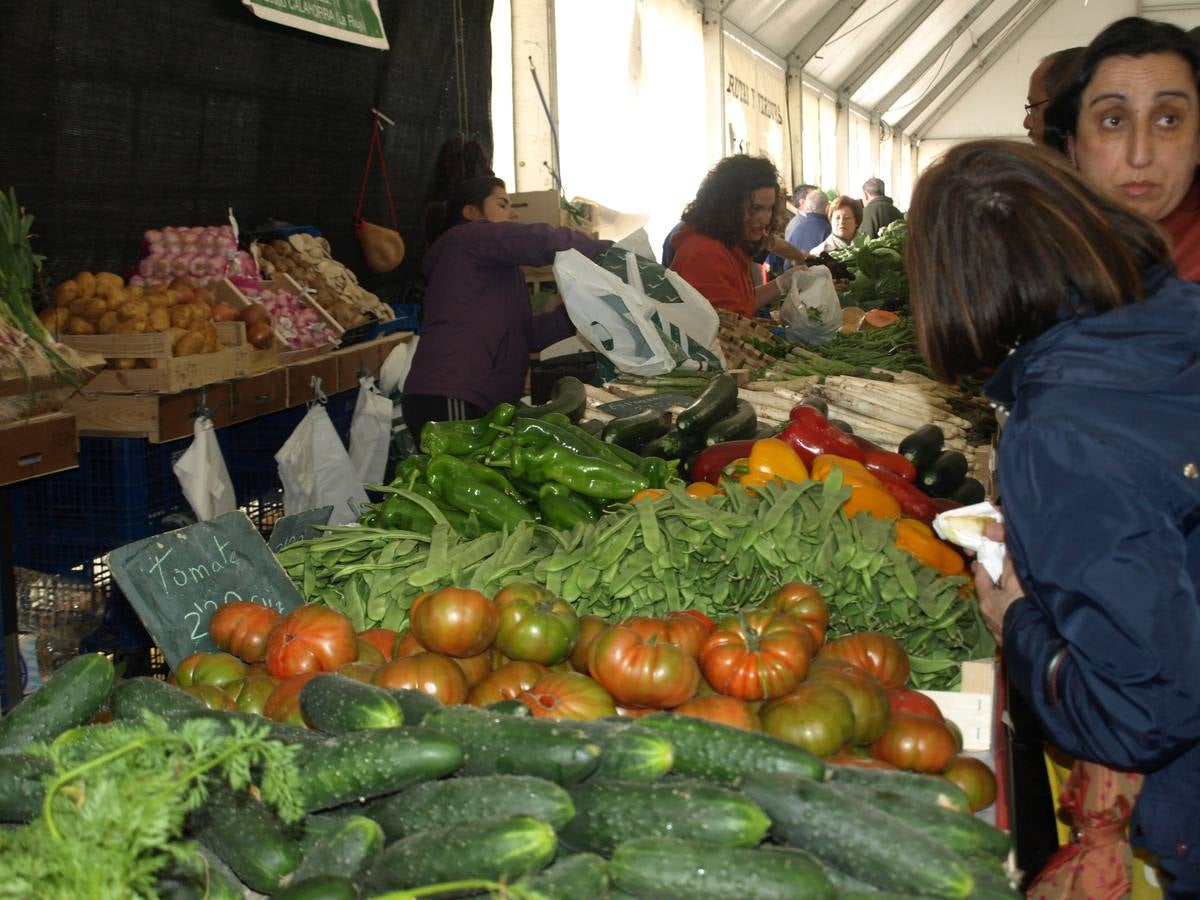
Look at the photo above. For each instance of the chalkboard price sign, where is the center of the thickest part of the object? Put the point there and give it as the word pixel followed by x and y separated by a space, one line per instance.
pixel 299 527
pixel 176 581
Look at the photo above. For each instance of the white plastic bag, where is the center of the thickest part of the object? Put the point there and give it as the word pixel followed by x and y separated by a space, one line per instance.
pixel 370 432
pixel 394 371
pixel 811 309
pixel 315 470
pixel 203 476
pixel 679 310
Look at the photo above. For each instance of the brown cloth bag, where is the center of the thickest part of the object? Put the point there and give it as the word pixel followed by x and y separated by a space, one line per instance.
pixel 382 247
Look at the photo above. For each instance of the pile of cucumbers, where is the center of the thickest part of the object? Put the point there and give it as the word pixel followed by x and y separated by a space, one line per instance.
pixel 662 806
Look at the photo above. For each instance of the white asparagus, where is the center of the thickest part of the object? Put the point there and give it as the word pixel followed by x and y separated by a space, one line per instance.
pixel 792 384
pixel 891 388
pixel 892 408
pixel 591 414
pixel 855 418
pixel 899 416
pixel 762 399
pixel 598 396
pixel 627 391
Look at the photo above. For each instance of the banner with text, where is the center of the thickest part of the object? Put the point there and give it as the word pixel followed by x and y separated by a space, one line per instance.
pixel 756 107
pixel 356 21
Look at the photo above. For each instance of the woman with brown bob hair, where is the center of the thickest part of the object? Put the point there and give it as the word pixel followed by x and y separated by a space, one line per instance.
pixel 1018 267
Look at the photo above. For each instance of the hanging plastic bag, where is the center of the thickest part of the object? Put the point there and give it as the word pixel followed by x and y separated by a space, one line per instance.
pixel 316 470
pixel 202 474
pixel 811 309
pixel 370 432
pixel 394 371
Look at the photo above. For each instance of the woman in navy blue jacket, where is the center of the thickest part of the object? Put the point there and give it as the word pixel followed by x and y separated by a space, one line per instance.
pixel 1093 345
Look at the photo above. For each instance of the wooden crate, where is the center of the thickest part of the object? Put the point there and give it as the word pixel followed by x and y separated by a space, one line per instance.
pixel 228 292
pixel 38 446
pixel 972 706
pixel 171 374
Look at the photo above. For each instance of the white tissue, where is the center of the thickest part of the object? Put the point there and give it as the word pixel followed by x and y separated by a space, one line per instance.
pixel 964 526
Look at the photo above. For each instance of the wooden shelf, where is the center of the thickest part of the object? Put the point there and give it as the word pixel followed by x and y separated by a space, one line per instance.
pixel 38 446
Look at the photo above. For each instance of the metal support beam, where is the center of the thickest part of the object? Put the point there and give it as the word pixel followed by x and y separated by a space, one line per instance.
pixel 795 128
pixel 714 84
pixel 929 59
pixel 1031 16
pixel 534 131
pixel 969 57
pixel 882 52
pixel 820 33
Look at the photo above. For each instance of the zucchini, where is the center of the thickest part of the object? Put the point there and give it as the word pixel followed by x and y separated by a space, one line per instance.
pixel 607 813
pixel 414 704
pixel 346 850
pixel 568 397
pixel 628 752
pixel 944 475
pixel 69 697
pixel 665 867
pixel 716 401
pixel 675 444
pixel 722 753
pixel 841 426
pixel 21 787
pixel 365 764
pixel 922 447
pixel 594 427
pixel 319 887
pixel 817 403
pixel 631 432
pixel 131 696
pixel 740 424
pixel 491 849
pixel 931 789
pixel 858 838
pixel 970 491
pixel 508 745
pixel 200 876
pixel 336 704
pixel 575 877
pixel 454 801
pixel 248 837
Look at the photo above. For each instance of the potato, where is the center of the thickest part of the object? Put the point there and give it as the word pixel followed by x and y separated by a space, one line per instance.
pixel 78 325
pixel 174 333
pixel 109 278
pixel 107 322
pixel 95 309
pixel 181 315
pixel 79 305
pixel 159 319
pixel 115 300
pixel 159 300
pixel 212 341
pixel 55 319
pixel 190 344
pixel 111 291
pixel 123 362
pixel 130 326
pixel 204 295
pixel 201 312
pixel 65 293
pixel 133 309
pixel 87 284
pixel 135 291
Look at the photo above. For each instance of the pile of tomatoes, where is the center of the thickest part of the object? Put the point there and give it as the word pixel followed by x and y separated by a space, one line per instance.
pixel 768 669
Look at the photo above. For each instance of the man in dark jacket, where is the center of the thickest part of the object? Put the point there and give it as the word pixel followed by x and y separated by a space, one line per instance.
pixel 811 226
pixel 880 210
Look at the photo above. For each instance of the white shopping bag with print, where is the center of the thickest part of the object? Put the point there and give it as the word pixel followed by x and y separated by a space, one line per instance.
pixel 202 474
pixel 370 432
pixel 316 470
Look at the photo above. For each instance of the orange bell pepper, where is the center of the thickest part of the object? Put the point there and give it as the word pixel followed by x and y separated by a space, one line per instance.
pixel 702 490
pixel 875 501
pixel 772 459
pixel 917 538
pixel 854 473
pixel 648 494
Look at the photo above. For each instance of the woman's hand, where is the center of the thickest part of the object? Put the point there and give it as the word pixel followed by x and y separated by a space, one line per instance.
pixel 995 597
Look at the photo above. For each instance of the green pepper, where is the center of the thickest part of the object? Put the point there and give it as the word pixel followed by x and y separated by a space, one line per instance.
pixel 452 478
pixel 492 478
pixel 369 519
pixel 409 468
pixel 656 470
pixel 562 508
pixel 402 514
pixel 465 437
pixel 542 433
pixel 585 475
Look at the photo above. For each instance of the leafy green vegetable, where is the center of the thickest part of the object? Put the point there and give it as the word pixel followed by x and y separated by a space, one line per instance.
pixel 877 265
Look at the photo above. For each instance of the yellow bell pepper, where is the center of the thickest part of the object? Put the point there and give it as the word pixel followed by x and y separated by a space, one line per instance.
pixel 771 459
pixel 917 538
pixel 854 473
pixel 702 490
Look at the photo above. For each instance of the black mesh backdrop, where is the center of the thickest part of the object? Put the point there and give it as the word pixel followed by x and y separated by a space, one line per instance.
pixel 124 115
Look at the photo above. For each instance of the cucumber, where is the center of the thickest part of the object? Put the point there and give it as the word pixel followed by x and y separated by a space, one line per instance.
pixel 365 764
pixel 716 401
pixel 280 731
pixel 607 813
pixel 510 708
pixel 319 887
pixel 70 697
pixel 454 801
pixel 970 491
pixel 631 432
pixel 665 867
pixel 944 475
pixel 248 837
pixel 491 849
pixel 991 880
pixel 415 705
pixel 858 838
pixel 21 787
pixel 930 789
pixel 575 877
pixel 722 753
pixel 740 424
pixel 336 704
pixel 628 752
pixel 922 447
pixel 956 830
pixel 508 745
pixel 346 850
pixel 131 696
pixel 201 876
pixel 568 397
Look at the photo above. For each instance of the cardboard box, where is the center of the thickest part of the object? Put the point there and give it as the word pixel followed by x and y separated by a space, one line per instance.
pixel 971 707
pixel 38 446
pixel 546 208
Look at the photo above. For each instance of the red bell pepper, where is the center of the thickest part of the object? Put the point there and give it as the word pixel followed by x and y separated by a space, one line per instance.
pixel 941 504
pixel 711 461
pixel 914 503
pixel 876 458
pixel 811 435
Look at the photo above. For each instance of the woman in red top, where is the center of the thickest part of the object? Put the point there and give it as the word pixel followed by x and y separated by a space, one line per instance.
pixel 730 219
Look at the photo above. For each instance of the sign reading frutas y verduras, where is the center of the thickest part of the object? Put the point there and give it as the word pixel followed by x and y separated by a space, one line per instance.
pixel 356 21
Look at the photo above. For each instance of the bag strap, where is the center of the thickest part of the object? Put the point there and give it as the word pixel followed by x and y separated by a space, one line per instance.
pixel 376 146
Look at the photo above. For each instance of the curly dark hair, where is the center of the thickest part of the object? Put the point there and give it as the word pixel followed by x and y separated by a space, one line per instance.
pixel 719 208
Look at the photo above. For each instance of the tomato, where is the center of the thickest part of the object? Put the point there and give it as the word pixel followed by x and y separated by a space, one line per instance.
pixel 359 671
pixel 406 645
pixel 955 732
pixel 802 602
pixel 183 671
pixel 817 717
pixel 251 693
pixel 910 701
pixel 632 712
pixel 454 621
pixel 384 639
pixel 283 705
pixel 916 743
pixel 367 652
pixel 976 779
pixel 642 672
pixel 218 669
pixel 708 623
pixel 474 668
pixel 211 696
pixel 878 654
pixel 311 638
pixel 685 632
pixel 867 698
pixel 590 628
pixel 506 683
pixel 725 710
pixel 429 672
pixel 756 655
pixel 568 695
pixel 862 762
pixel 242 628
pixel 535 625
